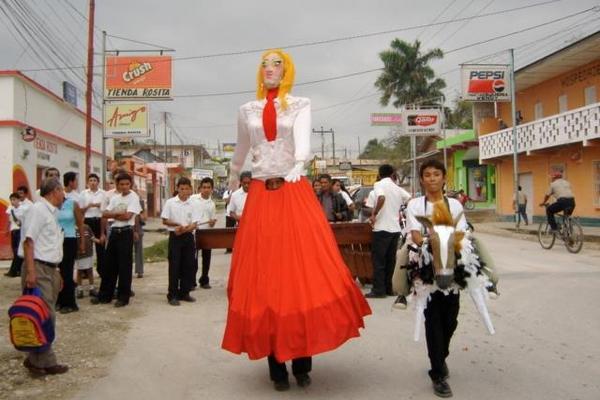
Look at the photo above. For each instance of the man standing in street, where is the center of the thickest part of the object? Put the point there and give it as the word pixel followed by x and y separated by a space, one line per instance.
pixel 42 250
pixel 238 198
pixel 385 220
pixel 520 206
pixel 14 225
pixel 208 218
pixel 93 201
pixel 333 204
pixel 123 208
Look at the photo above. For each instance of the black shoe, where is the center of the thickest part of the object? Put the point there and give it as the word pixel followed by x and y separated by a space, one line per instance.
pixel 400 303
pixel 121 303
pixel 98 300
pixel 205 286
pixel 441 388
pixel 68 310
pixel 187 298
pixel 281 386
pixel 372 295
pixel 174 302
pixel 303 380
pixel 139 276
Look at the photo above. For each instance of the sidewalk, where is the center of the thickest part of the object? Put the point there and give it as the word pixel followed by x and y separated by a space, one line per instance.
pixel 591 233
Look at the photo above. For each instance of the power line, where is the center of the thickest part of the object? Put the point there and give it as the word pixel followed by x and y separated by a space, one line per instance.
pixel 352 37
pixel 465 24
pixel 454 16
pixel 438 16
pixel 139 42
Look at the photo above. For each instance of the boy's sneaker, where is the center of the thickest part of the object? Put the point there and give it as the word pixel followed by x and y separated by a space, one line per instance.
pixel 441 388
pixel 493 291
pixel 400 303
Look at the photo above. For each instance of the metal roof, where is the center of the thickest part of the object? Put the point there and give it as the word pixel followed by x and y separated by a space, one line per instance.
pixel 577 54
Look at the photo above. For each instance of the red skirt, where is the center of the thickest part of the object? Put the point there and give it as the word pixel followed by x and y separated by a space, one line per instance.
pixel 290 293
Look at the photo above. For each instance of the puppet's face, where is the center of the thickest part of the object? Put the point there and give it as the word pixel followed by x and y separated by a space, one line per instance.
pixel 272 70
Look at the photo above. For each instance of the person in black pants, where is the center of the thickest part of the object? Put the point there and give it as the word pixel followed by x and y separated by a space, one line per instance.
pixel 15 236
pixel 208 218
pixel 123 208
pixel 181 216
pixel 279 374
pixel 93 202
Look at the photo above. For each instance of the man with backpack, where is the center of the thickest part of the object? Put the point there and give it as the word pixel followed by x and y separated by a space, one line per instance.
pixel 42 240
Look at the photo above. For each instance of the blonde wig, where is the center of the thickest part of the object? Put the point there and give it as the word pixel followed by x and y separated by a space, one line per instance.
pixel 287 80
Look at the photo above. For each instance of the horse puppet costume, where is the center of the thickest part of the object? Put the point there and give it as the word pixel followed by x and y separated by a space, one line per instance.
pixel 447 261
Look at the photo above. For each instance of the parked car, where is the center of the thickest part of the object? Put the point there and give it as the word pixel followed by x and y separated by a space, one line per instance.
pixel 359 197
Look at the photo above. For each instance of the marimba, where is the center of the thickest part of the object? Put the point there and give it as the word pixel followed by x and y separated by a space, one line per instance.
pixel 353 239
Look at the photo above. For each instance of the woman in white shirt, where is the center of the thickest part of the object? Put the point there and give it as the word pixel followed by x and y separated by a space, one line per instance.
pixel 290 294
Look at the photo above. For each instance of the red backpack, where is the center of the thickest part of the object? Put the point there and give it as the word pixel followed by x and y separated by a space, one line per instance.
pixel 31 328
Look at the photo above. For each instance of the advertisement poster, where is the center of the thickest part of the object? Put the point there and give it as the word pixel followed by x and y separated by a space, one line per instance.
pixel 422 122
pixel 126 120
pixel 138 77
pixel 488 83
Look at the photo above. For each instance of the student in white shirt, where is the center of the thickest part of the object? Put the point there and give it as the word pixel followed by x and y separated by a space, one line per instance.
pixel 208 218
pixel 123 208
pixel 14 226
pixel 235 208
pixel 385 220
pixel 42 252
pixel 93 202
pixel 181 215
pixel 50 172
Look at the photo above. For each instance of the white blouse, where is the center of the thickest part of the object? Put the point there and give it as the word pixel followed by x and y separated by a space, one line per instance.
pixel 292 144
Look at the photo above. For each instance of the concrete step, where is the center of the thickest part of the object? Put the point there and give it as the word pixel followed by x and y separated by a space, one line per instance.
pixel 479 215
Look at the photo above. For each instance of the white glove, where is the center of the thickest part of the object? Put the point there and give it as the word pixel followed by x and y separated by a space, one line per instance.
pixel 296 173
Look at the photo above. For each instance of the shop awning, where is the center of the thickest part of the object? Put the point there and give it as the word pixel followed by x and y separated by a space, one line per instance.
pixel 456 142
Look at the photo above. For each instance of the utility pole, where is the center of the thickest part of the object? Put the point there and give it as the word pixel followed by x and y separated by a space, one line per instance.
pixel 167 194
pixel 358 150
pixel 104 186
pixel 89 89
pixel 513 110
pixel 322 132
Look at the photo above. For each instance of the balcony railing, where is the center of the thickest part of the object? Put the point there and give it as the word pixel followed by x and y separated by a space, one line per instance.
pixel 578 125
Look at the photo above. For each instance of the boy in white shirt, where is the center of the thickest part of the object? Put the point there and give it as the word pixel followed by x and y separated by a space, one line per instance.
pixel 123 208
pixel 181 215
pixel 208 218
pixel 14 226
pixel 93 202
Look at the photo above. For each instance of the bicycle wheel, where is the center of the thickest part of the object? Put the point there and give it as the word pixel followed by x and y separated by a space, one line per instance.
pixel 469 205
pixel 545 235
pixel 573 236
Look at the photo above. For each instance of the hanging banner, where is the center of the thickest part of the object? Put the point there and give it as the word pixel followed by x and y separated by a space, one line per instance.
pixel 485 82
pixel 123 120
pixel 138 77
pixel 422 122
pixel 386 119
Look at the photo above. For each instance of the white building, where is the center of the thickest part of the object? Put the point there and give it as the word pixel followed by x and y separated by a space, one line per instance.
pixel 59 139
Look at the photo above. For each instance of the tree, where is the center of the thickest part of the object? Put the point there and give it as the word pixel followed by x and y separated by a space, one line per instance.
pixel 375 150
pixel 407 75
pixel 461 117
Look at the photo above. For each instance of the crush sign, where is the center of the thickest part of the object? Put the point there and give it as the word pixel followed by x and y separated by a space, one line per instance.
pixel 139 77
pixel 485 83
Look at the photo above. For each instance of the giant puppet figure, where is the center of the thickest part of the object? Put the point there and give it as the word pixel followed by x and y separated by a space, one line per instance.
pixel 290 294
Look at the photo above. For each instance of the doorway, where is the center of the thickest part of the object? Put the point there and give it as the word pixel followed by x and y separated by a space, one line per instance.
pixel 526 183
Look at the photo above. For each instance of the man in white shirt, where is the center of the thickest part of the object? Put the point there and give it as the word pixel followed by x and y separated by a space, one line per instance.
pixel 93 202
pixel 181 215
pixel 50 172
pixel 238 198
pixel 208 218
pixel 14 226
pixel 42 251
pixel 385 220
pixel 123 208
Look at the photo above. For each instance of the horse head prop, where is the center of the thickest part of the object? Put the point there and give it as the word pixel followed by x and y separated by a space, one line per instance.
pixel 445 242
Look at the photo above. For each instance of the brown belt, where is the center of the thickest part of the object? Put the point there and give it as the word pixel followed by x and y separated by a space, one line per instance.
pixel 274 183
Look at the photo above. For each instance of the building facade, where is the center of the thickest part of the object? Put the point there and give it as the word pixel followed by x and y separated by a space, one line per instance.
pixel 559 130
pixel 38 129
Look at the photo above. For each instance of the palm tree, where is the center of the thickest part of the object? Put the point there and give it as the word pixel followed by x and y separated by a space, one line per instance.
pixel 407 75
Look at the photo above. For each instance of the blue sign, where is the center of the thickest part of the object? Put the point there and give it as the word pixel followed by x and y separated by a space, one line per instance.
pixel 69 93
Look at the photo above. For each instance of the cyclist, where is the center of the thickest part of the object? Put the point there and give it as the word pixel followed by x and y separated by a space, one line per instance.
pixel 560 189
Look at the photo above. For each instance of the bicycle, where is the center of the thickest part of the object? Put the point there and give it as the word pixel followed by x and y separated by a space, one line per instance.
pixel 569 231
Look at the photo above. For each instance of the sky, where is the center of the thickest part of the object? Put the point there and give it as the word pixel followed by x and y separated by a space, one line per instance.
pixel 200 28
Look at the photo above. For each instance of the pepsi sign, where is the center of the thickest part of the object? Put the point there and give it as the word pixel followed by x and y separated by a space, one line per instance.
pixel 487 83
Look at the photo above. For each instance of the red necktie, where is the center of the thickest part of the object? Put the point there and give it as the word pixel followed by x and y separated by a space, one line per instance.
pixel 270 116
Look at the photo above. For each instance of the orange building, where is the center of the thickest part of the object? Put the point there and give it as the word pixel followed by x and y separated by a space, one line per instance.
pixel 558 129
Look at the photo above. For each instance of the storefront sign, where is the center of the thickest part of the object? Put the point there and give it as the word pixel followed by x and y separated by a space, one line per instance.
pixel 45 145
pixel 422 122
pixel 345 166
pixel 199 174
pixel 138 77
pixel 126 120
pixel 386 119
pixel 485 82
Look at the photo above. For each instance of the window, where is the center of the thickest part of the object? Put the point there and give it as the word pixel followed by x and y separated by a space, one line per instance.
pixel 590 95
pixel 538 111
pixel 562 103
pixel 596 182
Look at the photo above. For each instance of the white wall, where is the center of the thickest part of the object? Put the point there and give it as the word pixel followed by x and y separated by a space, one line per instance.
pixel 6 96
pixel 6 161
